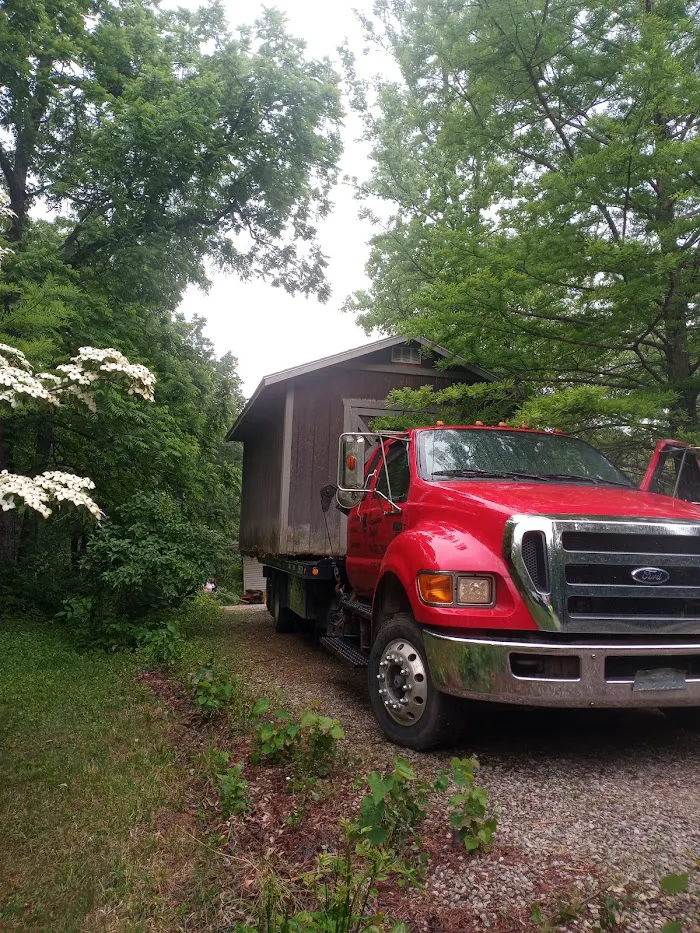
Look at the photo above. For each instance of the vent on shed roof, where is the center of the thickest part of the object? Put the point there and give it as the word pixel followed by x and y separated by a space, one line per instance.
pixel 405 355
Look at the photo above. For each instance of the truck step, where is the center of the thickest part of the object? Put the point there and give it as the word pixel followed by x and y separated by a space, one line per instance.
pixel 346 650
pixel 357 606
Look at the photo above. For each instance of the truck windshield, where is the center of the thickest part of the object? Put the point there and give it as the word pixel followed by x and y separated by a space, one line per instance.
pixel 450 454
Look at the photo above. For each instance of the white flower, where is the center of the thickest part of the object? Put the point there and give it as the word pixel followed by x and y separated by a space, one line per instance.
pixel 47 488
pixel 74 379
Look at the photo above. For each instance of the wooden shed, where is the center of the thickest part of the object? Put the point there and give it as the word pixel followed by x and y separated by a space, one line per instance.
pixel 290 429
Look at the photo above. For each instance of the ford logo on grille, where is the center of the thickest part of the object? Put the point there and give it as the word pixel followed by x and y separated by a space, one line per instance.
pixel 650 575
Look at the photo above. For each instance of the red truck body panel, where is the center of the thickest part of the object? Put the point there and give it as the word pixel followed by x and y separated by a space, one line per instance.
pixel 459 526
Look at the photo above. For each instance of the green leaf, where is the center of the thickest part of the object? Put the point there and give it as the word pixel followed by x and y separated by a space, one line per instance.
pixel 404 769
pixel 463 771
pixel 674 883
pixel 261 706
pixel 377 835
pixel 673 926
pixel 379 786
pixel 442 782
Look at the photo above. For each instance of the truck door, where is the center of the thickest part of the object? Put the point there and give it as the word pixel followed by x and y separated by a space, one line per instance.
pixel 374 524
pixel 674 471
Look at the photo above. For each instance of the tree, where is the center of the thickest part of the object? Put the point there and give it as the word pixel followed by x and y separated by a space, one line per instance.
pixel 164 139
pixel 77 380
pixel 542 160
pixel 162 143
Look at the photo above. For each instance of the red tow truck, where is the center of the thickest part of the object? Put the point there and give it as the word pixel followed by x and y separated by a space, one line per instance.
pixel 508 565
pixel 477 563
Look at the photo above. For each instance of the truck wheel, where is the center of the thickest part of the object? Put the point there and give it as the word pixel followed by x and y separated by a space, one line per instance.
pixel 409 709
pixel 283 617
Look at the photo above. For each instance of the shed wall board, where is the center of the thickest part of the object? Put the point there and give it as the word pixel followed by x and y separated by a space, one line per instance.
pixel 291 447
pixel 261 491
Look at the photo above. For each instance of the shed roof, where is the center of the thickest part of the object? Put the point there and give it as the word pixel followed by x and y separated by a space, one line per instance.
pixel 347 356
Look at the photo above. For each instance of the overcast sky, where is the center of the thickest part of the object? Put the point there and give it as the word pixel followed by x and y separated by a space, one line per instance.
pixel 267 329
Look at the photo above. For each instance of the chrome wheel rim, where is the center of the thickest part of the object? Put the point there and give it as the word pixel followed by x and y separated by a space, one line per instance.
pixel 402 682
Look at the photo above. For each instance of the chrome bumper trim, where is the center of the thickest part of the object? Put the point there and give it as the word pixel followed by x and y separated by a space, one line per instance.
pixel 480 669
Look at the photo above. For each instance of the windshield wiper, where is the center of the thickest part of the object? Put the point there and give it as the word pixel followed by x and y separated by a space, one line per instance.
pixel 490 474
pixel 575 477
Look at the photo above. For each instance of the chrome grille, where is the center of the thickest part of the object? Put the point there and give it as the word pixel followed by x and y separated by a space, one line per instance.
pixel 590 564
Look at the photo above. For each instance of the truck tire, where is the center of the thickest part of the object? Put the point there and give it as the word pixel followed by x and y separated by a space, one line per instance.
pixel 283 617
pixel 407 706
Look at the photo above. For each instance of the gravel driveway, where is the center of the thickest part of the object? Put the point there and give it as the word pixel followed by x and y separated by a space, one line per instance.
pixel 593 804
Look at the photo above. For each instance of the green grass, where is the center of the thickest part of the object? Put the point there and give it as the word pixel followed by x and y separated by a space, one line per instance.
pixel 85 769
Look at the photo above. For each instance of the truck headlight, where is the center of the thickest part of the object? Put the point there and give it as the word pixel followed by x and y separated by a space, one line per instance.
pixel 454 589
pixel 474 591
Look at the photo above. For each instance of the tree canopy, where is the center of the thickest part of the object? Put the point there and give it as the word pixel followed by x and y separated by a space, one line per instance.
pixel 541 162
pixel 164 138
pixel 138 148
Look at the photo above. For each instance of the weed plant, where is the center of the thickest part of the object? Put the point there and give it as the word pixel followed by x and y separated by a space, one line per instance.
pixel 233 791
pixel 212 690
pixel 309 744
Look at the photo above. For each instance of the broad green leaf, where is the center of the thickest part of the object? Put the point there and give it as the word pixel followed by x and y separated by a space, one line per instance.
pixel 674 883
pixel 261 706
pixel 404 769
pixel 379 786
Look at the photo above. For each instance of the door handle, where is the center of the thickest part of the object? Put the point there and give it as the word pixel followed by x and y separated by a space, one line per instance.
pixel 364 522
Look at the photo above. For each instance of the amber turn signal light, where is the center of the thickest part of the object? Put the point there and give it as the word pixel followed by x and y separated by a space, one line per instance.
pixel 351 462
pixel 436 587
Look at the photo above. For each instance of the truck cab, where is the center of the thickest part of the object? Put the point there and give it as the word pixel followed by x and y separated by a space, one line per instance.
pixel 515 566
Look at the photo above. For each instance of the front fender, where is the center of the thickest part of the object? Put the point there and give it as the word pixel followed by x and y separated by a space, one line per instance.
pixel 447 548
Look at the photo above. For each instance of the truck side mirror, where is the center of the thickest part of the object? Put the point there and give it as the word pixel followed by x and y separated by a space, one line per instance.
pixel 351 462
pixel 351 470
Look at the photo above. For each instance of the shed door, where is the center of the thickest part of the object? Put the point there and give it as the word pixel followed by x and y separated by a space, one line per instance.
pixel 253 574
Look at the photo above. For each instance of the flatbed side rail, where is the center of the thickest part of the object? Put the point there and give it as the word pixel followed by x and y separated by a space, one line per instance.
pixel 320 570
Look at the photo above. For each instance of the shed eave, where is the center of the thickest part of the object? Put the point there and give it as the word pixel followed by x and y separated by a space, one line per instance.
pixel 236 432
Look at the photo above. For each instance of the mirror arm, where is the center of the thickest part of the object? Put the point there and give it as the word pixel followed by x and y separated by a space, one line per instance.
pixel 394 506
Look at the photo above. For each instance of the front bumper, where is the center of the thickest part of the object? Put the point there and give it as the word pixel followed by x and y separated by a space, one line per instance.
pixel 586 672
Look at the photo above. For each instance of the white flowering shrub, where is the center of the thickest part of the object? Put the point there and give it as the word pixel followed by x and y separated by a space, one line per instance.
pixel 50 487
pixel 76 379
pixel 19 385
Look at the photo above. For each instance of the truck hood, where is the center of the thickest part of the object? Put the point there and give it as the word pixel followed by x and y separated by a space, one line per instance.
pixel 563 499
